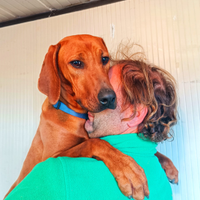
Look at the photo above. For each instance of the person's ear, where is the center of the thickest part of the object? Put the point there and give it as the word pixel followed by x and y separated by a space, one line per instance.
pixel 139 117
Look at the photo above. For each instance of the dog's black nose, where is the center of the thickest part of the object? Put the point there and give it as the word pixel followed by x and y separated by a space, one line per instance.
pixel 107 98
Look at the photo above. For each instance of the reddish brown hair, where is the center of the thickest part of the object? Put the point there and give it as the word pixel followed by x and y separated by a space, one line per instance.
pixel 147 84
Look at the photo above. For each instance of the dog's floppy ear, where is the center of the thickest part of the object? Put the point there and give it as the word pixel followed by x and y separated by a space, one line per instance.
pixel 49 81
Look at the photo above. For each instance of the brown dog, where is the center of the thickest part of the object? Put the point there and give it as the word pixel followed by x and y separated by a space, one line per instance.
pixel 74 72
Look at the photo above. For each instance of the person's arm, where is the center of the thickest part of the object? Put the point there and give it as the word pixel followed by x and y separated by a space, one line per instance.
pixel 41 183
pixel 168 166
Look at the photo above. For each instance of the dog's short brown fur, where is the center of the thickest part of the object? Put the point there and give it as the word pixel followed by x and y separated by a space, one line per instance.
pixel 78 85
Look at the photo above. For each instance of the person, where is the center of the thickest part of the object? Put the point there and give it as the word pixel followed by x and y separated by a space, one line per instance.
pixel 145 112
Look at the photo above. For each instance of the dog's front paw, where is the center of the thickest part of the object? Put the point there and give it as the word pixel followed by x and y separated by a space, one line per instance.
pixel 171 171
pixel 131 178
pixel 168 166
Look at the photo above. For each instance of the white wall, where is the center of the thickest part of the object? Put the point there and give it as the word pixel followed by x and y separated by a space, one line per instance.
pixel 169 31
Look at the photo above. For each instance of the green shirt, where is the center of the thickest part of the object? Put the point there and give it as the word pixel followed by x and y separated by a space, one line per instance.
pixel 67 178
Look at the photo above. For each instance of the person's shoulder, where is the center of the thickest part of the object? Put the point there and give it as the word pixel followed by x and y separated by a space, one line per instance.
pixel 71 160
pixel 42 182
pixel 48 164
pixel 48 169
pixel 64 164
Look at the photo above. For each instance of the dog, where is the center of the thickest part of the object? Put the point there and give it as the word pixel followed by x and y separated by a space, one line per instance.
pixel 74 77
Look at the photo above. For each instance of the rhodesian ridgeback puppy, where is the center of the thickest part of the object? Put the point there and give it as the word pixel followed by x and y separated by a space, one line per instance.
pixel 74 77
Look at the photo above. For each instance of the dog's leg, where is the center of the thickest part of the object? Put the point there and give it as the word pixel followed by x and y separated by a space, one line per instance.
pixel 129 175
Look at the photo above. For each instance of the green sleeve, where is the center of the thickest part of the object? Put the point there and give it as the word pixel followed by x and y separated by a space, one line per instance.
pixel 46 181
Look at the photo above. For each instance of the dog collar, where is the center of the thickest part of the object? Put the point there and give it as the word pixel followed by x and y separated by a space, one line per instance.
pixel 61 106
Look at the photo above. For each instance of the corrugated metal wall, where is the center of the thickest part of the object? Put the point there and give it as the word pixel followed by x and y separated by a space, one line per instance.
pixel 169 31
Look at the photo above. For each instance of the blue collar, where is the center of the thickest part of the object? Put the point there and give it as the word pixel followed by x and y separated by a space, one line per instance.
pixel 64 108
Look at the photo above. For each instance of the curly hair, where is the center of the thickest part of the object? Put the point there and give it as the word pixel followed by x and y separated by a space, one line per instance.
pixel 153 87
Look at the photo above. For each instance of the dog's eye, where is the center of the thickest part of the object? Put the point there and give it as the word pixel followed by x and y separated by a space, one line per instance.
pixel 105 60
pixel 77 64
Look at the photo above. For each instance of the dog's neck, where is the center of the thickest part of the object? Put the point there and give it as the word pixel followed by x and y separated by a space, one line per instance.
pixel 72 104
pixel 63 107
pixel 63 125
pixel 61 119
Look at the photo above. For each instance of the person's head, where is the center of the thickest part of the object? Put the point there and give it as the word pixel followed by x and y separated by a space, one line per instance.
pixel 146 102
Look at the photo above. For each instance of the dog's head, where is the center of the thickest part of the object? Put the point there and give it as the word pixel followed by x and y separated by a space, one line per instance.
pixel 76 70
